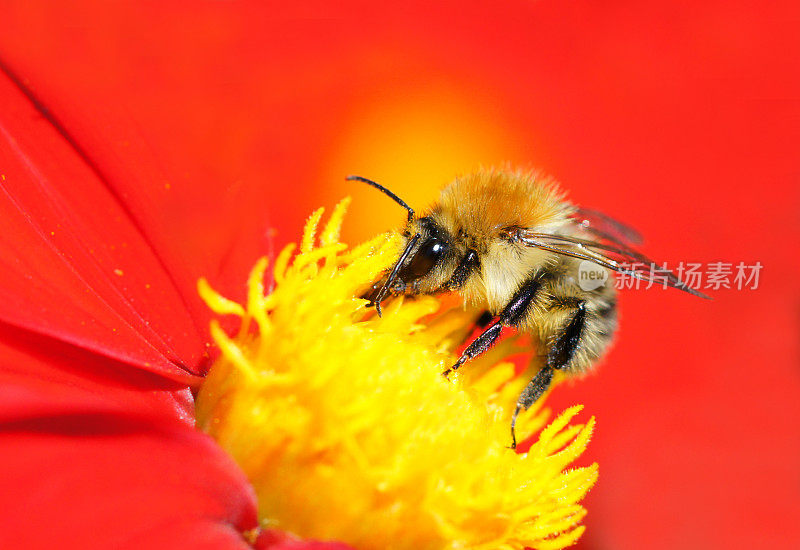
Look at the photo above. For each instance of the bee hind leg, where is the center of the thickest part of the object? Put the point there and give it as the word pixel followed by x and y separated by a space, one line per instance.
pixel 530 395
pixel 561 352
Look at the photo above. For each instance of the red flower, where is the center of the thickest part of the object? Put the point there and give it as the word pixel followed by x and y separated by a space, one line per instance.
pixel 100 345
pixel 178 129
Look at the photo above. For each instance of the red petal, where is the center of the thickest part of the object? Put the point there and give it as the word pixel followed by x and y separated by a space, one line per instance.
pixel 91 477
pixel 71 374
pixel 164 128
pixel 74 264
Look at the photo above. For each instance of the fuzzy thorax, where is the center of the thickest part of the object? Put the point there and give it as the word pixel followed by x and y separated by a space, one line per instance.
pixel 477 209
pixel 347 430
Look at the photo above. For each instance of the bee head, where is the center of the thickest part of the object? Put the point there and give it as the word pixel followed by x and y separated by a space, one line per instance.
pixel 420 266
pixel 426 248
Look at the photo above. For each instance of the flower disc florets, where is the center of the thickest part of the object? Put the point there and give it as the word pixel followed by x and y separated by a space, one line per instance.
pixel 347 430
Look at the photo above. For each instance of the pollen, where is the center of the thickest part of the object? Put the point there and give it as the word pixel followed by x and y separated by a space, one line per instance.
pixel 347 429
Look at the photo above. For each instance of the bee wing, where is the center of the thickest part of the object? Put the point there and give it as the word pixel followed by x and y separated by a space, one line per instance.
pixel 617 257
pixel 606 227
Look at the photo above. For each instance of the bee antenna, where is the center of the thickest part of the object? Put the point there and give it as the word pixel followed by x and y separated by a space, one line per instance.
pixel 393 275
pixel 382 189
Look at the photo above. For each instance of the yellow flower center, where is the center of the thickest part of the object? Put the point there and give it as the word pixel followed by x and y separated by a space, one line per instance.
pixel 347 430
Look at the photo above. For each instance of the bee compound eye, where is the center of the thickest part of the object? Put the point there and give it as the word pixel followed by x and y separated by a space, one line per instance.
pixel 428 254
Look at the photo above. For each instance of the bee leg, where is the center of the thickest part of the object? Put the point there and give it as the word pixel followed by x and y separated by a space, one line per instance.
pixel 480 344
pixel 567 343
pixel 532 392
pixel 481 322
pixel 559 356
pixel 514 311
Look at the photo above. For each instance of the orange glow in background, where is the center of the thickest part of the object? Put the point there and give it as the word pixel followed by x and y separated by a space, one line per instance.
pixel 413 142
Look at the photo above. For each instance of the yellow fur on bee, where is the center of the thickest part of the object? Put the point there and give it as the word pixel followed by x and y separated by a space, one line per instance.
pixel 483 203
pixel 480 206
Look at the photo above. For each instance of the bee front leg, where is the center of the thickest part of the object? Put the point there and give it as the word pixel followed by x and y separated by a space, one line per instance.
pixel 514 311
pixel 565 344
pixel 480 344
pixel 480 322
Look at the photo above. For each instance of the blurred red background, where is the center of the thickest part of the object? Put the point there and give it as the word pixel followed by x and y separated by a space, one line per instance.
pixel 681 119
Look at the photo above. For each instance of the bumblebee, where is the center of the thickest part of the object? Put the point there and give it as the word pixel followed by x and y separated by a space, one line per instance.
pixel 513 246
